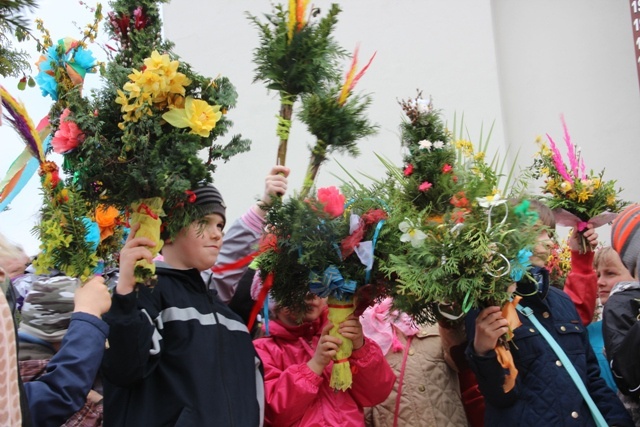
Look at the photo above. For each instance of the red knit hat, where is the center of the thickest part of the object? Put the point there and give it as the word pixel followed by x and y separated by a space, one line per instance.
pixel 625 237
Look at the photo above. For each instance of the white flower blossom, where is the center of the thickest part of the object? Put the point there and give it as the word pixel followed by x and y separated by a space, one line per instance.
pixel 411 234
pixel 423 105
pixel 438 145
pixel 493 200
pixel 425 144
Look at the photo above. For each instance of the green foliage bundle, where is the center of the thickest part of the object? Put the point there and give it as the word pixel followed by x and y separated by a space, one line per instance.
pixel 308 238
pixel 13 62
pixel 458 243
pixel 145 129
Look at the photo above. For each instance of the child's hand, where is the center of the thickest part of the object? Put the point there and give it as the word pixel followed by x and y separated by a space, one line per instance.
pixel 589 234
pixel 92 298
pixel 135 248
pixel 352 329
pixel 275 184
pixel 325 351
pixel 490 326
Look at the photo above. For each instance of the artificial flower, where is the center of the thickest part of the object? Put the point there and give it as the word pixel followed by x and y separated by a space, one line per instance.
pixel 425 144
pixel 425 186
pixel 408 170
pixel 423 105
pixel 106 218
pixel 68 136
pixel 489 201
pixel 411 234
pixel 520 265
pixel 196 114
pixel 438 145
pixel 459 200
pixel 332 200
pixel 68 57
pixel 446 168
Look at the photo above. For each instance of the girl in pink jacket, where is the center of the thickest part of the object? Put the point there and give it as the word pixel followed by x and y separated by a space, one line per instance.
pixel 297 360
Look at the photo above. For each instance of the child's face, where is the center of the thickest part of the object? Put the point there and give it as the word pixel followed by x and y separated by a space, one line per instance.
pixel 542 250
pixel 199 245
pixel 315 307
pixel 610 271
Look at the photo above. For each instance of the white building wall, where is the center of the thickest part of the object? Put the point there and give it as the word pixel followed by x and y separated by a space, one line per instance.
pixel 516 64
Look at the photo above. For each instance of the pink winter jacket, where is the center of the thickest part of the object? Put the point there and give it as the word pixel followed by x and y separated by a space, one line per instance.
pixel 296 396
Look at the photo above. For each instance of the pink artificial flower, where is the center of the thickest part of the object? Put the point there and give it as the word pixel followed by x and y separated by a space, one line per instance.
pixel 68 136
pixel 425 186
pixel 332 200
pixel 408 170
pixel 446 168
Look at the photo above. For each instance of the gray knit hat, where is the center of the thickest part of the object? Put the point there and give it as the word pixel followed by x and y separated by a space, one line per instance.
pixel 47 308
pixel 209 201
pixel 625 237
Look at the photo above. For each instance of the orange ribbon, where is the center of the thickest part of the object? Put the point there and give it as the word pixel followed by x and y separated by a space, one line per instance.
pixel 505 358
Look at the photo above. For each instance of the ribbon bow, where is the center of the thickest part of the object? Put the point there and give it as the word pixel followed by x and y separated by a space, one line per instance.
pixel 331 283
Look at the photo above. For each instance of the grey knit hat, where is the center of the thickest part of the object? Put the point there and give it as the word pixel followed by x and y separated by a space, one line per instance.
pixel 209 201
pixel 625 237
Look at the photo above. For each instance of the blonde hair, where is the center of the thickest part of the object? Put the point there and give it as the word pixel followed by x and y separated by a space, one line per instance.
pixel 9 250
pixel 605 255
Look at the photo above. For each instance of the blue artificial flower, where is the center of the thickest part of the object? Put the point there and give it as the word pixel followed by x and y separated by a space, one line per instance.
pixel 93 233
pixel 520 265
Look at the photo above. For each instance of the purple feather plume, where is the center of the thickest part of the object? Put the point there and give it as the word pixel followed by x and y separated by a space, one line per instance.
pixel 20 124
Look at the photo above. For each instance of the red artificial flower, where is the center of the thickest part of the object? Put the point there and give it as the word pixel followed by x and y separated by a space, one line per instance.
pixel 332 200
pixel 459 200
pixel 425 186
pixel 350 242
pixel 458 215
pixel 191 196
pixel 373 216
pixel 141 20
pixel 446 168
pixel 408 170
pixel 455 179
pixel 68 136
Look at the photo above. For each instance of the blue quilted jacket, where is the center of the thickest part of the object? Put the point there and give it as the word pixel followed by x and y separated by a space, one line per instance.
pixel 544 394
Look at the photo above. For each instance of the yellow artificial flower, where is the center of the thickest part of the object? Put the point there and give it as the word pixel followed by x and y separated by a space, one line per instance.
pixel 544 170
pixel 480 155
pixel 196 114
pixel 566 186
pixel 596 183
pixel 584 195
pixel 611 199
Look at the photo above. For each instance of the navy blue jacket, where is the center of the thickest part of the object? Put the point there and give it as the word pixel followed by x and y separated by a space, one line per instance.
pixel 62 390
pixel 179 356
pixel 544 394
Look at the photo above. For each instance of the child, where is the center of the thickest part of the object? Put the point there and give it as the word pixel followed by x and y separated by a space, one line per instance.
pixel 297 360
pixel 621 324
pixel 544 392
pixel 64 318
pixel 610 271
pixel 178 355
pixel 429 390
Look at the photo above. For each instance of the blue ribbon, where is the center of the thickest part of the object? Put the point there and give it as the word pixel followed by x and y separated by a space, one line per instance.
pixel 331 283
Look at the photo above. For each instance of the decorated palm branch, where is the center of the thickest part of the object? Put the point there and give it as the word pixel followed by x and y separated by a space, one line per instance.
pixel 76 238
pixel 577 197
pixel 461 246
pixel 297 55
pixel 144 131
pixel 323 245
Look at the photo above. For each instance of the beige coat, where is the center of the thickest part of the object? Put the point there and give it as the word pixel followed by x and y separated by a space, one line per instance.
pixel 430 392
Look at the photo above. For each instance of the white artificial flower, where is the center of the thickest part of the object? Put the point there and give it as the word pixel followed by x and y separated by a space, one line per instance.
pixel 411 234
pixel 425 144
pixel 489 201
pixel 438 145
pixel 423 105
